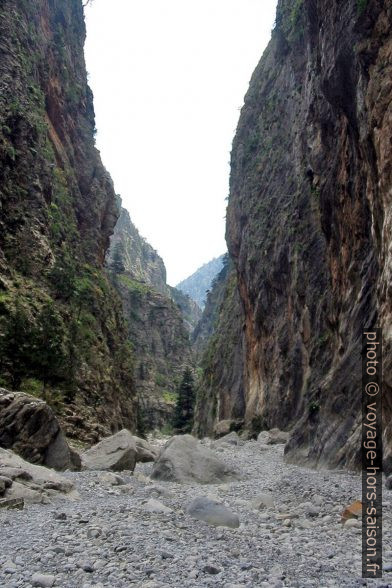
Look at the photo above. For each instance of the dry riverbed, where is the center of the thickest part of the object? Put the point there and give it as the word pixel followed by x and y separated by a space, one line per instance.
pixel 115 536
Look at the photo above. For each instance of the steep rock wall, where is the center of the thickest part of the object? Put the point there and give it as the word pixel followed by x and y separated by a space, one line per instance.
pixel 219 345
pixel 62 332
pixel 157 329
pixel 309 222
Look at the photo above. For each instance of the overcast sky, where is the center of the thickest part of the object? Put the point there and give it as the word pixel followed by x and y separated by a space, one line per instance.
pixel 169 78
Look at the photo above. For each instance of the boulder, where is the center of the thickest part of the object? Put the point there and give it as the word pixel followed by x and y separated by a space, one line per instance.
pixel 31 483
pixel 275 437
pixel 227 426
pixel 262 437
pixel 388 483
pixel 30 428
pixel 212 512
pixel 184 459
pixel 144 451
pixel 116 453
pixel 229 439
pixel 111 479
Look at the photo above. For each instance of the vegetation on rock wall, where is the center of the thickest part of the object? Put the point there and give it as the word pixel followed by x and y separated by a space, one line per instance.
pixel 62 334
pixel 308 230
pixel 155 323
pixel 219 343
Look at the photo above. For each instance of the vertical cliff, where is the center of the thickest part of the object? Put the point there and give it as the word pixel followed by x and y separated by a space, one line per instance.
pixel 157 328
pixel 309 222
pixel 61 329
pixel 218 342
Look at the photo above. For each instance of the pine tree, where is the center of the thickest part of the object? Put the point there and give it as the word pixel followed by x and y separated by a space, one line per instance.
pixel 183 417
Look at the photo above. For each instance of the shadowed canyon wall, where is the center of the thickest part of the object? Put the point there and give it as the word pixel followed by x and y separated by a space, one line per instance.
pixel 309 227
pixel 62 334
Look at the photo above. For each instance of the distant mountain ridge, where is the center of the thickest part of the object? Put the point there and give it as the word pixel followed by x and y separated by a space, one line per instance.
pixel 198 284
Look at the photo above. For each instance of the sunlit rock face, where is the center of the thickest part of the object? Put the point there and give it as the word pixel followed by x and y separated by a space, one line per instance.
pixel 309 226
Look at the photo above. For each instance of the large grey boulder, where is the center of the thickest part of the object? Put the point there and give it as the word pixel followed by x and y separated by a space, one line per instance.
pixel 30 428
pixel 212 512
pixel 116 453
pixel 184 459
pixel 144 451
pixel 30 483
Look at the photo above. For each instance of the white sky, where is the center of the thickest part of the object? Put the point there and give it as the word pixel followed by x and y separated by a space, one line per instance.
pixel 169 77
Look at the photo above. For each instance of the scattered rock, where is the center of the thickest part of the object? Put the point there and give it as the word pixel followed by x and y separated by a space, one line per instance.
pixel 263 501
pixel 156 506
pixel 311 510
pixel 115 453
pixel 184 459
pixel 43 580
pixel 275 437
pixel 12 503
pixel 156 490
pixel 209 569
pixel 212 512
pixel 30 483
pixel 112 479
pixel 30 428
pixel 352 523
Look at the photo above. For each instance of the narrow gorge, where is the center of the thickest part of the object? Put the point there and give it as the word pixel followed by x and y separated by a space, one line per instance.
pixel 207 434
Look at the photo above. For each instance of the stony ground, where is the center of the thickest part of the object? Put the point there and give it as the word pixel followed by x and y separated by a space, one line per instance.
pixel 109 539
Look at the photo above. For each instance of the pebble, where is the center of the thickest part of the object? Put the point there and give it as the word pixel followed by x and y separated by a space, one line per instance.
pixel 209 569
pixel 121 544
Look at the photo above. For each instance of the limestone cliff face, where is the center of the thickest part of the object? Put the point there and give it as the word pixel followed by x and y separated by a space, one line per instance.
pixel 190 310
pixel 140 261
pixel 218 342
pixel 61 330
pixel 157 329
pixel 309 222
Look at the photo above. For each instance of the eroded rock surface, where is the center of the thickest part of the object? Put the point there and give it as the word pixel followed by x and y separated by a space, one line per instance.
pixel 30 428
pixel 309 232
pixel 29 483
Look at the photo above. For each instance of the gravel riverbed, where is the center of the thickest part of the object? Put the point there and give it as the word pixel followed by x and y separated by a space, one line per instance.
pixel 112 537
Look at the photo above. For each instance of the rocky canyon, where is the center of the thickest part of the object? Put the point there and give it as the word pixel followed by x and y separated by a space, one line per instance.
pixel 98 485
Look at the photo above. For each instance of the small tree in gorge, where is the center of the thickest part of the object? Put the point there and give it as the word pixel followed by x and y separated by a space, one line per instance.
pixel 183 416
